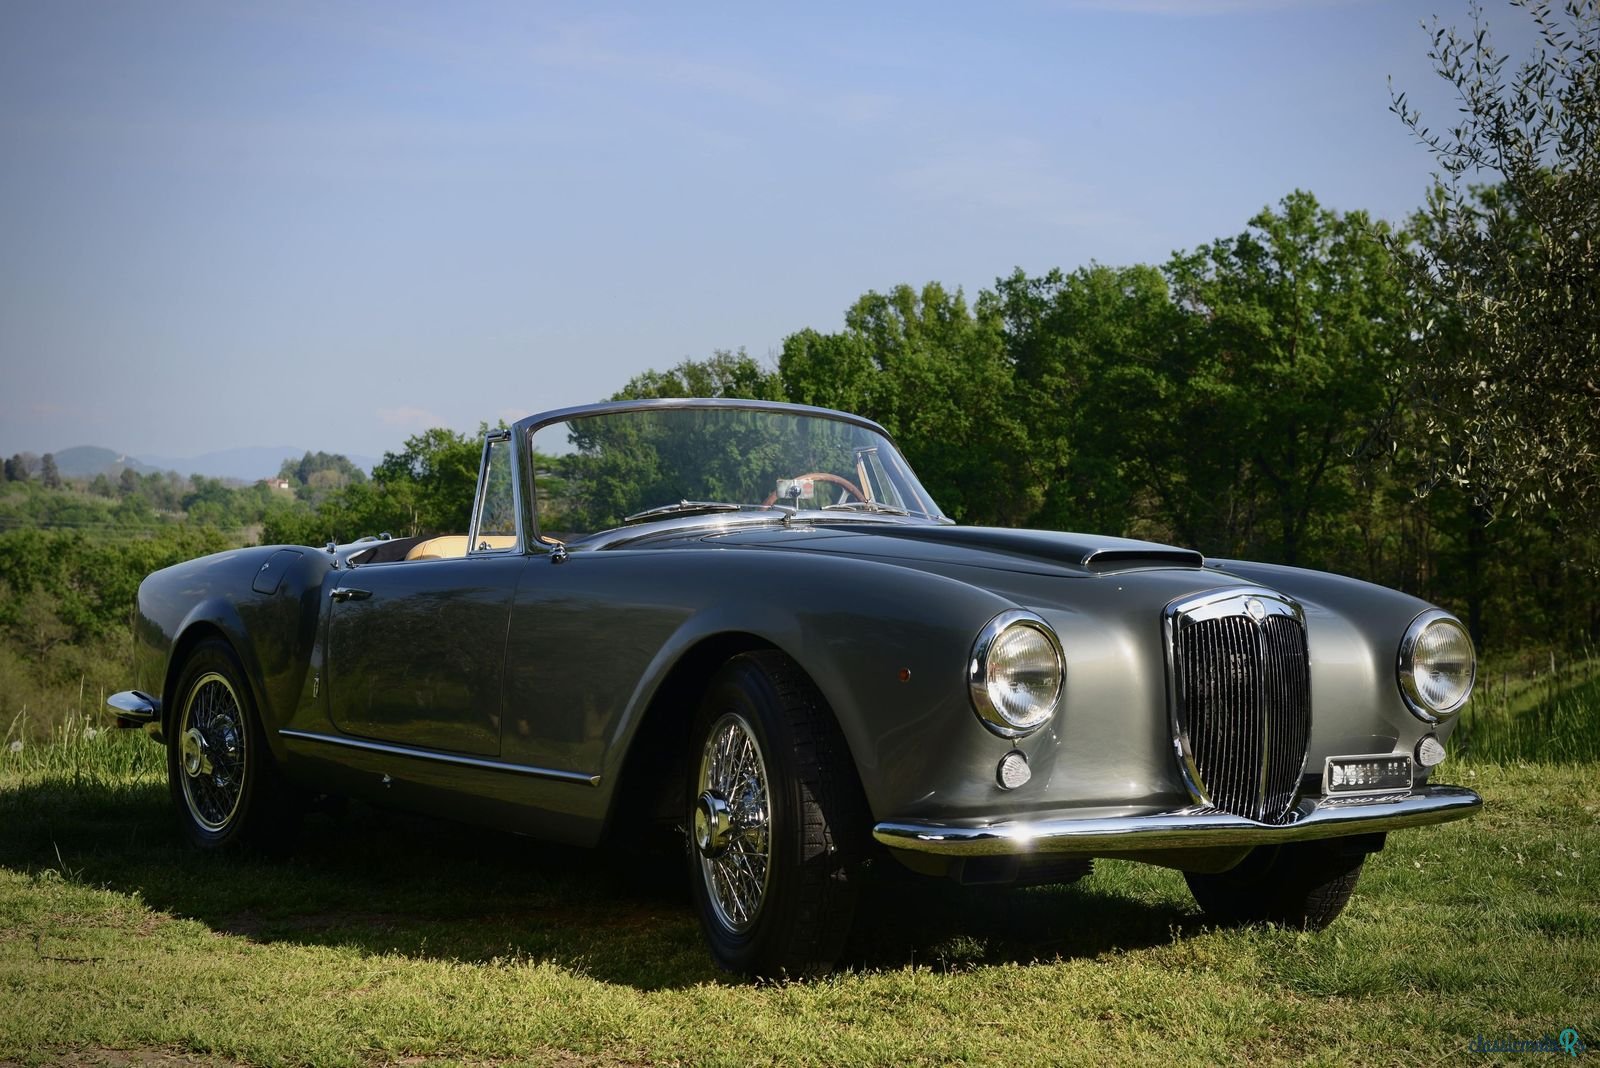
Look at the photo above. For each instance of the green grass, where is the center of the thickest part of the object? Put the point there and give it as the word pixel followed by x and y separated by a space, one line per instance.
pixel 1547 716
pixel 384 938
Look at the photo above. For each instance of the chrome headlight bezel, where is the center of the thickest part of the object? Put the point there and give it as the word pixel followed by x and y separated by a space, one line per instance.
pixel 1405 667
pixel 990 714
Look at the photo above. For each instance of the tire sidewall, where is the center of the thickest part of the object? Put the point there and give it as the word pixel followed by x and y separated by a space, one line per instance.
pixel 216 657
pixel 1291 885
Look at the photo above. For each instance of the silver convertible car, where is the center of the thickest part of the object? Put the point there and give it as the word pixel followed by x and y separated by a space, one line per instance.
pixel 750 622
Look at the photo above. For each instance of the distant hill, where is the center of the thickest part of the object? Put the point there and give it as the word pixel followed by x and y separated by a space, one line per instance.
pixel 86 461
pixel 246 465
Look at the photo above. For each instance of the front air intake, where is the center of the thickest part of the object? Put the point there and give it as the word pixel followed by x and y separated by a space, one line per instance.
pixel 1241 700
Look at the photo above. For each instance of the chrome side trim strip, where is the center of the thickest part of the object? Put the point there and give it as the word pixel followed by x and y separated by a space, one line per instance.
pixel 1185 829
pixel 434 755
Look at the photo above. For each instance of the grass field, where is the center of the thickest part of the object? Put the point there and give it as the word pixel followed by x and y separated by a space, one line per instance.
pixel 1544 716
pixel 387 939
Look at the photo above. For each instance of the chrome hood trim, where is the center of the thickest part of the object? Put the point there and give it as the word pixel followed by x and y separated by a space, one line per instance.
pixel 1183 829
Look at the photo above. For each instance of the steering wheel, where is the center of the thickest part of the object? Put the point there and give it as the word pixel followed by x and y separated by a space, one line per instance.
pixel 822 476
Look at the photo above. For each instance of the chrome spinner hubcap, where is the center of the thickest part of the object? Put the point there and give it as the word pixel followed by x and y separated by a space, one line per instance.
pixel 195 760
pixel 713 825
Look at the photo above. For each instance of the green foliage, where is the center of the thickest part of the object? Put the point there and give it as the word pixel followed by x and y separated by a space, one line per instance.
pixel 724 374
pixel 1534 713
pixel 1088 349
pixel 90 582
pixel 425 488
pixel 937 376
pixel 317 474
pixel 66 611
pixel 1507 277
pixel 1289 335
pixel 626 463
pixel 1221 402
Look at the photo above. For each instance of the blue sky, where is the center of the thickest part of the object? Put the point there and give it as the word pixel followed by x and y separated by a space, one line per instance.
pixel 333 225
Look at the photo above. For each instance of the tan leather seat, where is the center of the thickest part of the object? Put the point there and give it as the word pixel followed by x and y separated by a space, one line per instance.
pixel 451 546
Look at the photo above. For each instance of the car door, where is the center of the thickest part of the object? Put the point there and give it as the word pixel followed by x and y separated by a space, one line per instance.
pixel 416 647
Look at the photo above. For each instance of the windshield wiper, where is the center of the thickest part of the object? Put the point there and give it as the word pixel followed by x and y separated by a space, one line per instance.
pixel 694 508
pixel 864 506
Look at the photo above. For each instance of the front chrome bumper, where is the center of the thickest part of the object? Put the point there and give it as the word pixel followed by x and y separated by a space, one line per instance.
pixel 1184 829
pixel 134 708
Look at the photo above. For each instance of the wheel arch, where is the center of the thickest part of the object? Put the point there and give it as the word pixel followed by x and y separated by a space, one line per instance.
pixel 653 764
pixel 646 794
pixel 201 626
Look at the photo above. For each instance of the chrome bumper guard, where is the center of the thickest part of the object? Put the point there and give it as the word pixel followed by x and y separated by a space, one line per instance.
pixel 135 709
pixel 1183 829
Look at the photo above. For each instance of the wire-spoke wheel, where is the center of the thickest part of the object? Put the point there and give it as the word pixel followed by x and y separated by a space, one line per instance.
pixel 222 777
pixel 212 741
pixel 777 823
pixel 732 822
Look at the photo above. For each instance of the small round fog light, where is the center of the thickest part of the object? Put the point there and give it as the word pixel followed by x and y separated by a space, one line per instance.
pixel 1430 751
pixel 1013 770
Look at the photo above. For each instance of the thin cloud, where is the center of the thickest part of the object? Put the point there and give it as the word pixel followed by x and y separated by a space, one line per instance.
pixel 409 418
pixel 1013 176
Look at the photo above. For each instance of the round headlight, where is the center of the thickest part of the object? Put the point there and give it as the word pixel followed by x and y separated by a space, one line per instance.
pixel 1436 666
pixel 1015 674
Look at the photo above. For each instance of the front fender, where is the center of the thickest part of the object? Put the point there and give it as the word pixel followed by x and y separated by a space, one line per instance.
pixel 886 646
pixel 271 633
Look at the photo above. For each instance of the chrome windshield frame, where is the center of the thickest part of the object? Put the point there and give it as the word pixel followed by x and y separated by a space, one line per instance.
pixel 524 430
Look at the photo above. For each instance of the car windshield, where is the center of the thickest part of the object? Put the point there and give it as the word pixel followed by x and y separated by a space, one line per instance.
pixel 611 469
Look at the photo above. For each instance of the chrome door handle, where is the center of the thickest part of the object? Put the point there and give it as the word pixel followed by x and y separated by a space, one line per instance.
pixel 350 593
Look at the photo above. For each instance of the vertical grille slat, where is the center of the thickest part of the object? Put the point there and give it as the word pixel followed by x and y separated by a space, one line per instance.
pixel 1243 702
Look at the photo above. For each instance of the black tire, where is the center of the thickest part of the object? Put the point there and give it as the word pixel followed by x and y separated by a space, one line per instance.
pixel 800 866
pixel 1304 885
pixel 223 779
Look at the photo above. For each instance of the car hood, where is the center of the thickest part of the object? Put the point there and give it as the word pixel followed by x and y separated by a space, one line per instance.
pixel 1036 552
pixel 1060 573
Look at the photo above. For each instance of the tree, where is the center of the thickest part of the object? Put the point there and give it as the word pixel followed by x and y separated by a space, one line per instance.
pixel 316 474
pixel 48 473
pixel 17 468
pixel 1087 348
pixel 128 482
pixel 428 484
pixel 724 374
pixel 1507 277
pixel 1291 332
pixel 936 374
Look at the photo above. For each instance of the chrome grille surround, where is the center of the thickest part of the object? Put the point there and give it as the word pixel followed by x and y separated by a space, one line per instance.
pixel 1239 689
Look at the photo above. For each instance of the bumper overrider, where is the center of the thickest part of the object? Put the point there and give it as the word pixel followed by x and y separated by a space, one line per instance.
pixel 1312 818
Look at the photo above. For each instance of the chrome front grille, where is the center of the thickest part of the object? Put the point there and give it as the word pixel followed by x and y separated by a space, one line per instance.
pixel 1241 686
